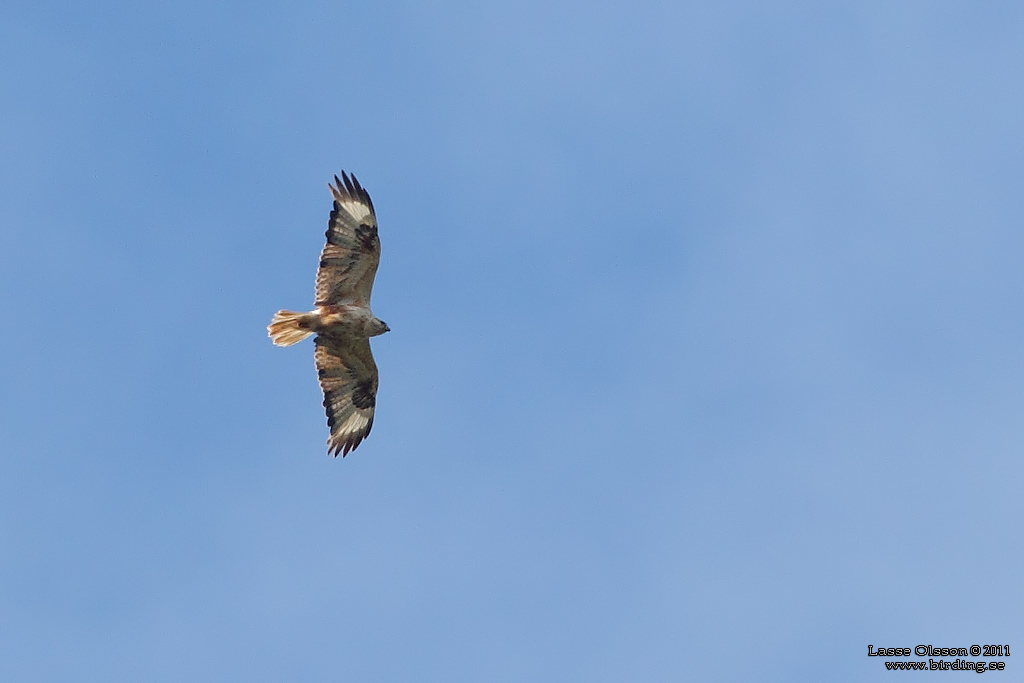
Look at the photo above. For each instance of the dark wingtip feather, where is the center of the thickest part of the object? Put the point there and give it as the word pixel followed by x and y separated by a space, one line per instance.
pixel 337 192
pixel 345 447
pixel 348 187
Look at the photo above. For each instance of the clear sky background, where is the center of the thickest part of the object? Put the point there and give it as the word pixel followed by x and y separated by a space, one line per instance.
pixel 706 358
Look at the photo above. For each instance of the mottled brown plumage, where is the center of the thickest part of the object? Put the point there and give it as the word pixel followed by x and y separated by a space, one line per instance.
pixel 349 260
pixel 342 320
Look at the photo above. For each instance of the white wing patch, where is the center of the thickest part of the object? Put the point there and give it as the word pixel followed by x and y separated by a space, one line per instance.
pixel 359 212
pixel 350 434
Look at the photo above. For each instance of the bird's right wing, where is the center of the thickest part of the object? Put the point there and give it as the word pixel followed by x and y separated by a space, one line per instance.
pixel 348 378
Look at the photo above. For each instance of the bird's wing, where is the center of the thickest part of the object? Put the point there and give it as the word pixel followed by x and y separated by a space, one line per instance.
pixel 349 260
pixel 348 377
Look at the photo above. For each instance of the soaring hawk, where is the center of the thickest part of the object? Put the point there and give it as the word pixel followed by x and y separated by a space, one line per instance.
pixel 342 320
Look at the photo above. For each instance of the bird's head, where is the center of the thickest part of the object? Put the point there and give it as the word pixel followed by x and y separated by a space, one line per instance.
pixel 378 326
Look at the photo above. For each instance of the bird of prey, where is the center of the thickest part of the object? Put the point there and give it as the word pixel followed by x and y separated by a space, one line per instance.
pixel 342 320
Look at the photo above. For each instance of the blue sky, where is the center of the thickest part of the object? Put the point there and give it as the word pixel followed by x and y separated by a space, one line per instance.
pixel 705 361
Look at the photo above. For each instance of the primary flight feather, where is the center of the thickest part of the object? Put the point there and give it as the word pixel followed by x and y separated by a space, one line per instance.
pixel 342 320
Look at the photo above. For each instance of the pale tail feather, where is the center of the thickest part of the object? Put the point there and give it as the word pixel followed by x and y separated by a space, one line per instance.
pixel 289 328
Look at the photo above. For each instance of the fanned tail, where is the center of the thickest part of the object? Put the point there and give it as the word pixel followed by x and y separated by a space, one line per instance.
pixel 289 327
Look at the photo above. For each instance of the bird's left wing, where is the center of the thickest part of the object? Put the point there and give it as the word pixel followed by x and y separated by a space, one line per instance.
pixel 348 377
pixel 349 260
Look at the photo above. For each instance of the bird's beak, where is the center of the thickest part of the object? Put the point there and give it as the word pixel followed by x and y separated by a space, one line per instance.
pixel 386 328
